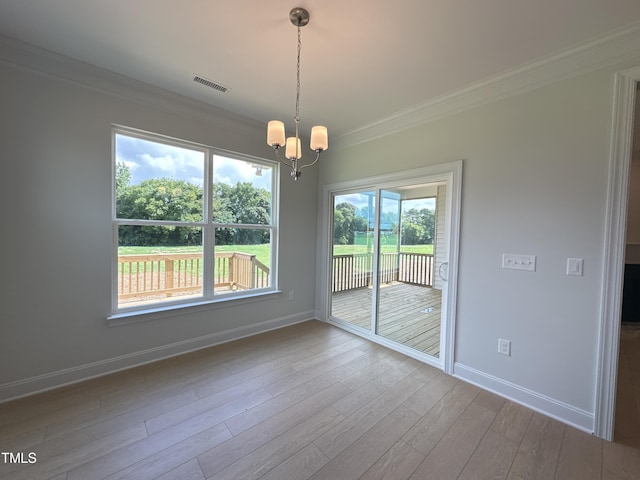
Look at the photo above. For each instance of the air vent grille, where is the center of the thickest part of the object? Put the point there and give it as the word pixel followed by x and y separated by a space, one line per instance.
pixel 210 84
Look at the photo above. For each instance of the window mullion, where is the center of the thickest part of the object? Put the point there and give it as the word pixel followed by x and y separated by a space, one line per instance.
pixel 208 238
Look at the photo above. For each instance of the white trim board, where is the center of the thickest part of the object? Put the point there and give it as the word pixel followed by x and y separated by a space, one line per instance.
pixel 60 378
pixel 595 54
pixel 614 250
pixel 548 406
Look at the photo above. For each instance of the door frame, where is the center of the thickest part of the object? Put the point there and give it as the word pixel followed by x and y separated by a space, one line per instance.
pixel 614 250
pixel 450 172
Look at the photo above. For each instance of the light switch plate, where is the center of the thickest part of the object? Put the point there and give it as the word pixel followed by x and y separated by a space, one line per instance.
pixel 519 262
pixel 574 266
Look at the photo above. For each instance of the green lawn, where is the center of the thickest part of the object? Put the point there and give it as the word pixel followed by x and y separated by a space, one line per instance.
pixel 262 251
pixel 351 249
pixel 152 250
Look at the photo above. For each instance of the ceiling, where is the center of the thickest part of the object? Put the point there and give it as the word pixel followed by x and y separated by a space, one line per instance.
pixel 362 60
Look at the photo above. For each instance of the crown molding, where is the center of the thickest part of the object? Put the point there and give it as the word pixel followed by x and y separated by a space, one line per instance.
pixel 44 62
pixel 606 50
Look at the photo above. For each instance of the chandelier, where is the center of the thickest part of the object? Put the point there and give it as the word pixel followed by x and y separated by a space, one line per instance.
pixel 299 17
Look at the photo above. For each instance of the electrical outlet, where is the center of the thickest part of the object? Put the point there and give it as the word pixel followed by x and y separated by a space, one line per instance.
pixel 504 347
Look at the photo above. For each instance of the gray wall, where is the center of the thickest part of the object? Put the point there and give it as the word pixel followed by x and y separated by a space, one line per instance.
pixel 534 182
pixel 56 242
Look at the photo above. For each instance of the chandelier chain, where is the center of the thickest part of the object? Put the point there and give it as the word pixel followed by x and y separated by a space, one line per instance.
pixel 297 117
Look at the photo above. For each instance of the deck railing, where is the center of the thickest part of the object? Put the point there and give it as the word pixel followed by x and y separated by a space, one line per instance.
pixel 351 271
pixel 416 268
pixel 240 270
pixel 355 270
pixel 154 275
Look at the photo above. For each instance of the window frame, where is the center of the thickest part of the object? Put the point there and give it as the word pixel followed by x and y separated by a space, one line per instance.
pixel 207 225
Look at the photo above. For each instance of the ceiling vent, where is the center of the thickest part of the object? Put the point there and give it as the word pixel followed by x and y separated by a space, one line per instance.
pixel 210 84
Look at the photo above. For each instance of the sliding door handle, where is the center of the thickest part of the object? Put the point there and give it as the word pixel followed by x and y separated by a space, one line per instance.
pixel 443 271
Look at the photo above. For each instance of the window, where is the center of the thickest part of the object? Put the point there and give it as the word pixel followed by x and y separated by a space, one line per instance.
pixel 191 223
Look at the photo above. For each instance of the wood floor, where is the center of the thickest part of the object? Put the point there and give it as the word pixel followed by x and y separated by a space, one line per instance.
pixel 409 314
pixel 305 402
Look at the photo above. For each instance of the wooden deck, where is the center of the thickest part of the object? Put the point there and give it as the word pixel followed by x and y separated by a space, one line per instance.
pixel 409 314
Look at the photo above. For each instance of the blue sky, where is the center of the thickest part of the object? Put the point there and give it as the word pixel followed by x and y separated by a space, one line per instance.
pixel 148 159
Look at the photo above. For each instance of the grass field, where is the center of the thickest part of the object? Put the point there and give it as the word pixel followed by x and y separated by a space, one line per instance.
pixel 352 249
pixel 262 251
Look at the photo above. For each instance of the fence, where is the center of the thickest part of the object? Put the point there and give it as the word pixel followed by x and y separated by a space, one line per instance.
pixel 160 275
pixel 355 270
pixel 240 270
pixel 166 275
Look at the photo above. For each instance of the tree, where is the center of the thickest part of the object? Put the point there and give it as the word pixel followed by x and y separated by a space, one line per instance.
pixel 418 227
pixel 178 200
pixel 241 204
pixel 412 233
pixel 123 177
pixel 343 224
pixel 346 222
pixel 160 199
pixel 222 213
pixel 250 205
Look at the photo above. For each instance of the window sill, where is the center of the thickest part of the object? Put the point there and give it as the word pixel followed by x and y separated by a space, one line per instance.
pixel 166 311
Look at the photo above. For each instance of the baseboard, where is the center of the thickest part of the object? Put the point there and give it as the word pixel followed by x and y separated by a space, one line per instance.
pixel 548 406
pixel 60 378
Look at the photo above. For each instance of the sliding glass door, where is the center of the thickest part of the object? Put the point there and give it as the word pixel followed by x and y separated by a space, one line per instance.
pixel 392 247
pixel 408 305
pixel 383 252
pixel 352 257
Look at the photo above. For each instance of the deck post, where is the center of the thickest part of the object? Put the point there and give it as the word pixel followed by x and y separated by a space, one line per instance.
pixel 168 276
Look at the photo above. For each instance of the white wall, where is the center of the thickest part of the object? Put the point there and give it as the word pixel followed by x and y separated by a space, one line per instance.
pixel 534 182
pixel 56 242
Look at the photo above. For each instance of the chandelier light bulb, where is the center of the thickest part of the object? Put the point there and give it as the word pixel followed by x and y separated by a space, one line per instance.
pixel 293 150
pixel 319 139
pixel 275 133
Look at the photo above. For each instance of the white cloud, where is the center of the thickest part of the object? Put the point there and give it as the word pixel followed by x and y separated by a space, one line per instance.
pixel 147 159
pixel 131 165
pixel 164 164
pixel 231 171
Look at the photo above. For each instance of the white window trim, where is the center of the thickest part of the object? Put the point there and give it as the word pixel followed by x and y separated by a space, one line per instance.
pixel 134 314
